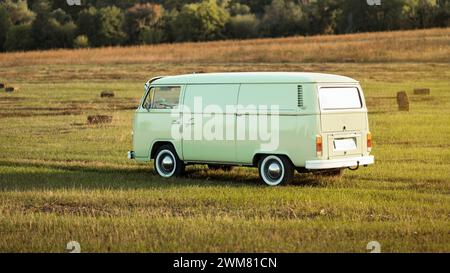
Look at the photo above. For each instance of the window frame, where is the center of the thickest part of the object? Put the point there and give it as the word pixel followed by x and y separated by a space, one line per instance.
pixel 151 92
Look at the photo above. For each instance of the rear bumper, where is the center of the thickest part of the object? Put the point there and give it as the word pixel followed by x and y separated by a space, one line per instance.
pixel 131 155
pixel 339 163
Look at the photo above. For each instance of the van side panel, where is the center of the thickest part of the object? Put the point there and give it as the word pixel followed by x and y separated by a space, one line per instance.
pixel 207 133
pixel 298 117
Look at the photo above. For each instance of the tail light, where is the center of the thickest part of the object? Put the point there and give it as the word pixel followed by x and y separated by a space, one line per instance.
pixel 319 145
pixel 369 141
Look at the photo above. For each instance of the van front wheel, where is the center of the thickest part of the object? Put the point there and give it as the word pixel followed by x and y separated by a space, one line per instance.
pixel 275 170
pixel 167 162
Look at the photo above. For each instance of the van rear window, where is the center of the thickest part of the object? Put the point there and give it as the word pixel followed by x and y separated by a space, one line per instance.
pixel 335 98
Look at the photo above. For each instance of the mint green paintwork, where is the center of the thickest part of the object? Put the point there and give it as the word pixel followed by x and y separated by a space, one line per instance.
pixel 299 126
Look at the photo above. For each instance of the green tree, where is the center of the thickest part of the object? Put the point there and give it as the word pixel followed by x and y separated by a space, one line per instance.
pixel 442 18
pixel 282 18
pixel 323 16
pixel 88 23
pixel 5 25
pixel 52 29
pixel 421 13
pixel 110 29
pixel 103 27
pixel 357 16
pixel 203 21
pixel 146 18
pixel 239 9
pixel 19 38
pixel 18 11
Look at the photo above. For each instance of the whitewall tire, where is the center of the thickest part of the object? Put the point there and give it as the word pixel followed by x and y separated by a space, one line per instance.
pixel 275 170
pixel 167 163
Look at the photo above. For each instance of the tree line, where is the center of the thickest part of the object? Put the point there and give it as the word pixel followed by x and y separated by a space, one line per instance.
pixel 46 24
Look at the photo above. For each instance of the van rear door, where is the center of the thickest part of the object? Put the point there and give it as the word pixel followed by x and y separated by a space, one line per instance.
pixel 343 119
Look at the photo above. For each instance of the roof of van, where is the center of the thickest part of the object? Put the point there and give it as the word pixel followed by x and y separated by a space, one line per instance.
pixel 254 77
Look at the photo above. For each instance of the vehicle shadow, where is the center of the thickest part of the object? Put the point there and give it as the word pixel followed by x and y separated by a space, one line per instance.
pixel 45 176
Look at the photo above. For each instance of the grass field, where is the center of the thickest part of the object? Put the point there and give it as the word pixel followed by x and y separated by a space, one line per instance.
pixel 62 179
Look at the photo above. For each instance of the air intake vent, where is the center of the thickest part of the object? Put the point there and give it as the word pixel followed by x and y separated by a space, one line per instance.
pixel 300 96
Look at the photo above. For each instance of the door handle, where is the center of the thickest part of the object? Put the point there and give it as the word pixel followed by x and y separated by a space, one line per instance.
pixel 190 122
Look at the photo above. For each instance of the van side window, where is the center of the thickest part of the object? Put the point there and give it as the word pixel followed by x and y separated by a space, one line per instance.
pixel 163 97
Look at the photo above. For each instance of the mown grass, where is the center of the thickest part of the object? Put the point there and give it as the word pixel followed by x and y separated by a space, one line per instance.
pixel 62 179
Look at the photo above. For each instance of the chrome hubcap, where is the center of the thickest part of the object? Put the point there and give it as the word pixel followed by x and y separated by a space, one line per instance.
pixel 167 163
pixel 274 170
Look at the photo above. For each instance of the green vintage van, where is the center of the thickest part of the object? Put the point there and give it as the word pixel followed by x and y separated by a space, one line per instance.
pixel 277 121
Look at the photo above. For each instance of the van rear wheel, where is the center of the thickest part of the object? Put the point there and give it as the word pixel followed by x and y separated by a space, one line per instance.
pixel 167 163
pixel 275 170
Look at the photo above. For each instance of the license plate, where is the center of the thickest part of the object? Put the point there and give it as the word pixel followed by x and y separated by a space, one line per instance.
pixel 345 144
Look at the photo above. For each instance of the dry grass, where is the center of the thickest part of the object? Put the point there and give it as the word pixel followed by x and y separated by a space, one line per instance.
pixel 431 45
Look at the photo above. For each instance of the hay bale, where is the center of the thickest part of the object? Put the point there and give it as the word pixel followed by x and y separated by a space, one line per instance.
pixel 10 89
pixel 96 119
pixel 2 85
pixel 422 91
pixel 107 94
pixel 402 101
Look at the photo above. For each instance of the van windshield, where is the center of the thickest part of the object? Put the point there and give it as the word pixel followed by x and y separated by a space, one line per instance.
pixel 335 98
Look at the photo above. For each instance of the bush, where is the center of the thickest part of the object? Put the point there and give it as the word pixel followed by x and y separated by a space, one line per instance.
pixel 151 36
pixel 243 26
pixel 19 38
pixel 81 41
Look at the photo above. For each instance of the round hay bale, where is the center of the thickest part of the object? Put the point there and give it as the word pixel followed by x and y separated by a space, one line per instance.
pixel 97 119
pixel 402 101
pixel 107 94
pixel 422 91
pixel 11 89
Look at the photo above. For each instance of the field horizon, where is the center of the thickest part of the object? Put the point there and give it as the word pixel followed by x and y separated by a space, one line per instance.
pixel 62 179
